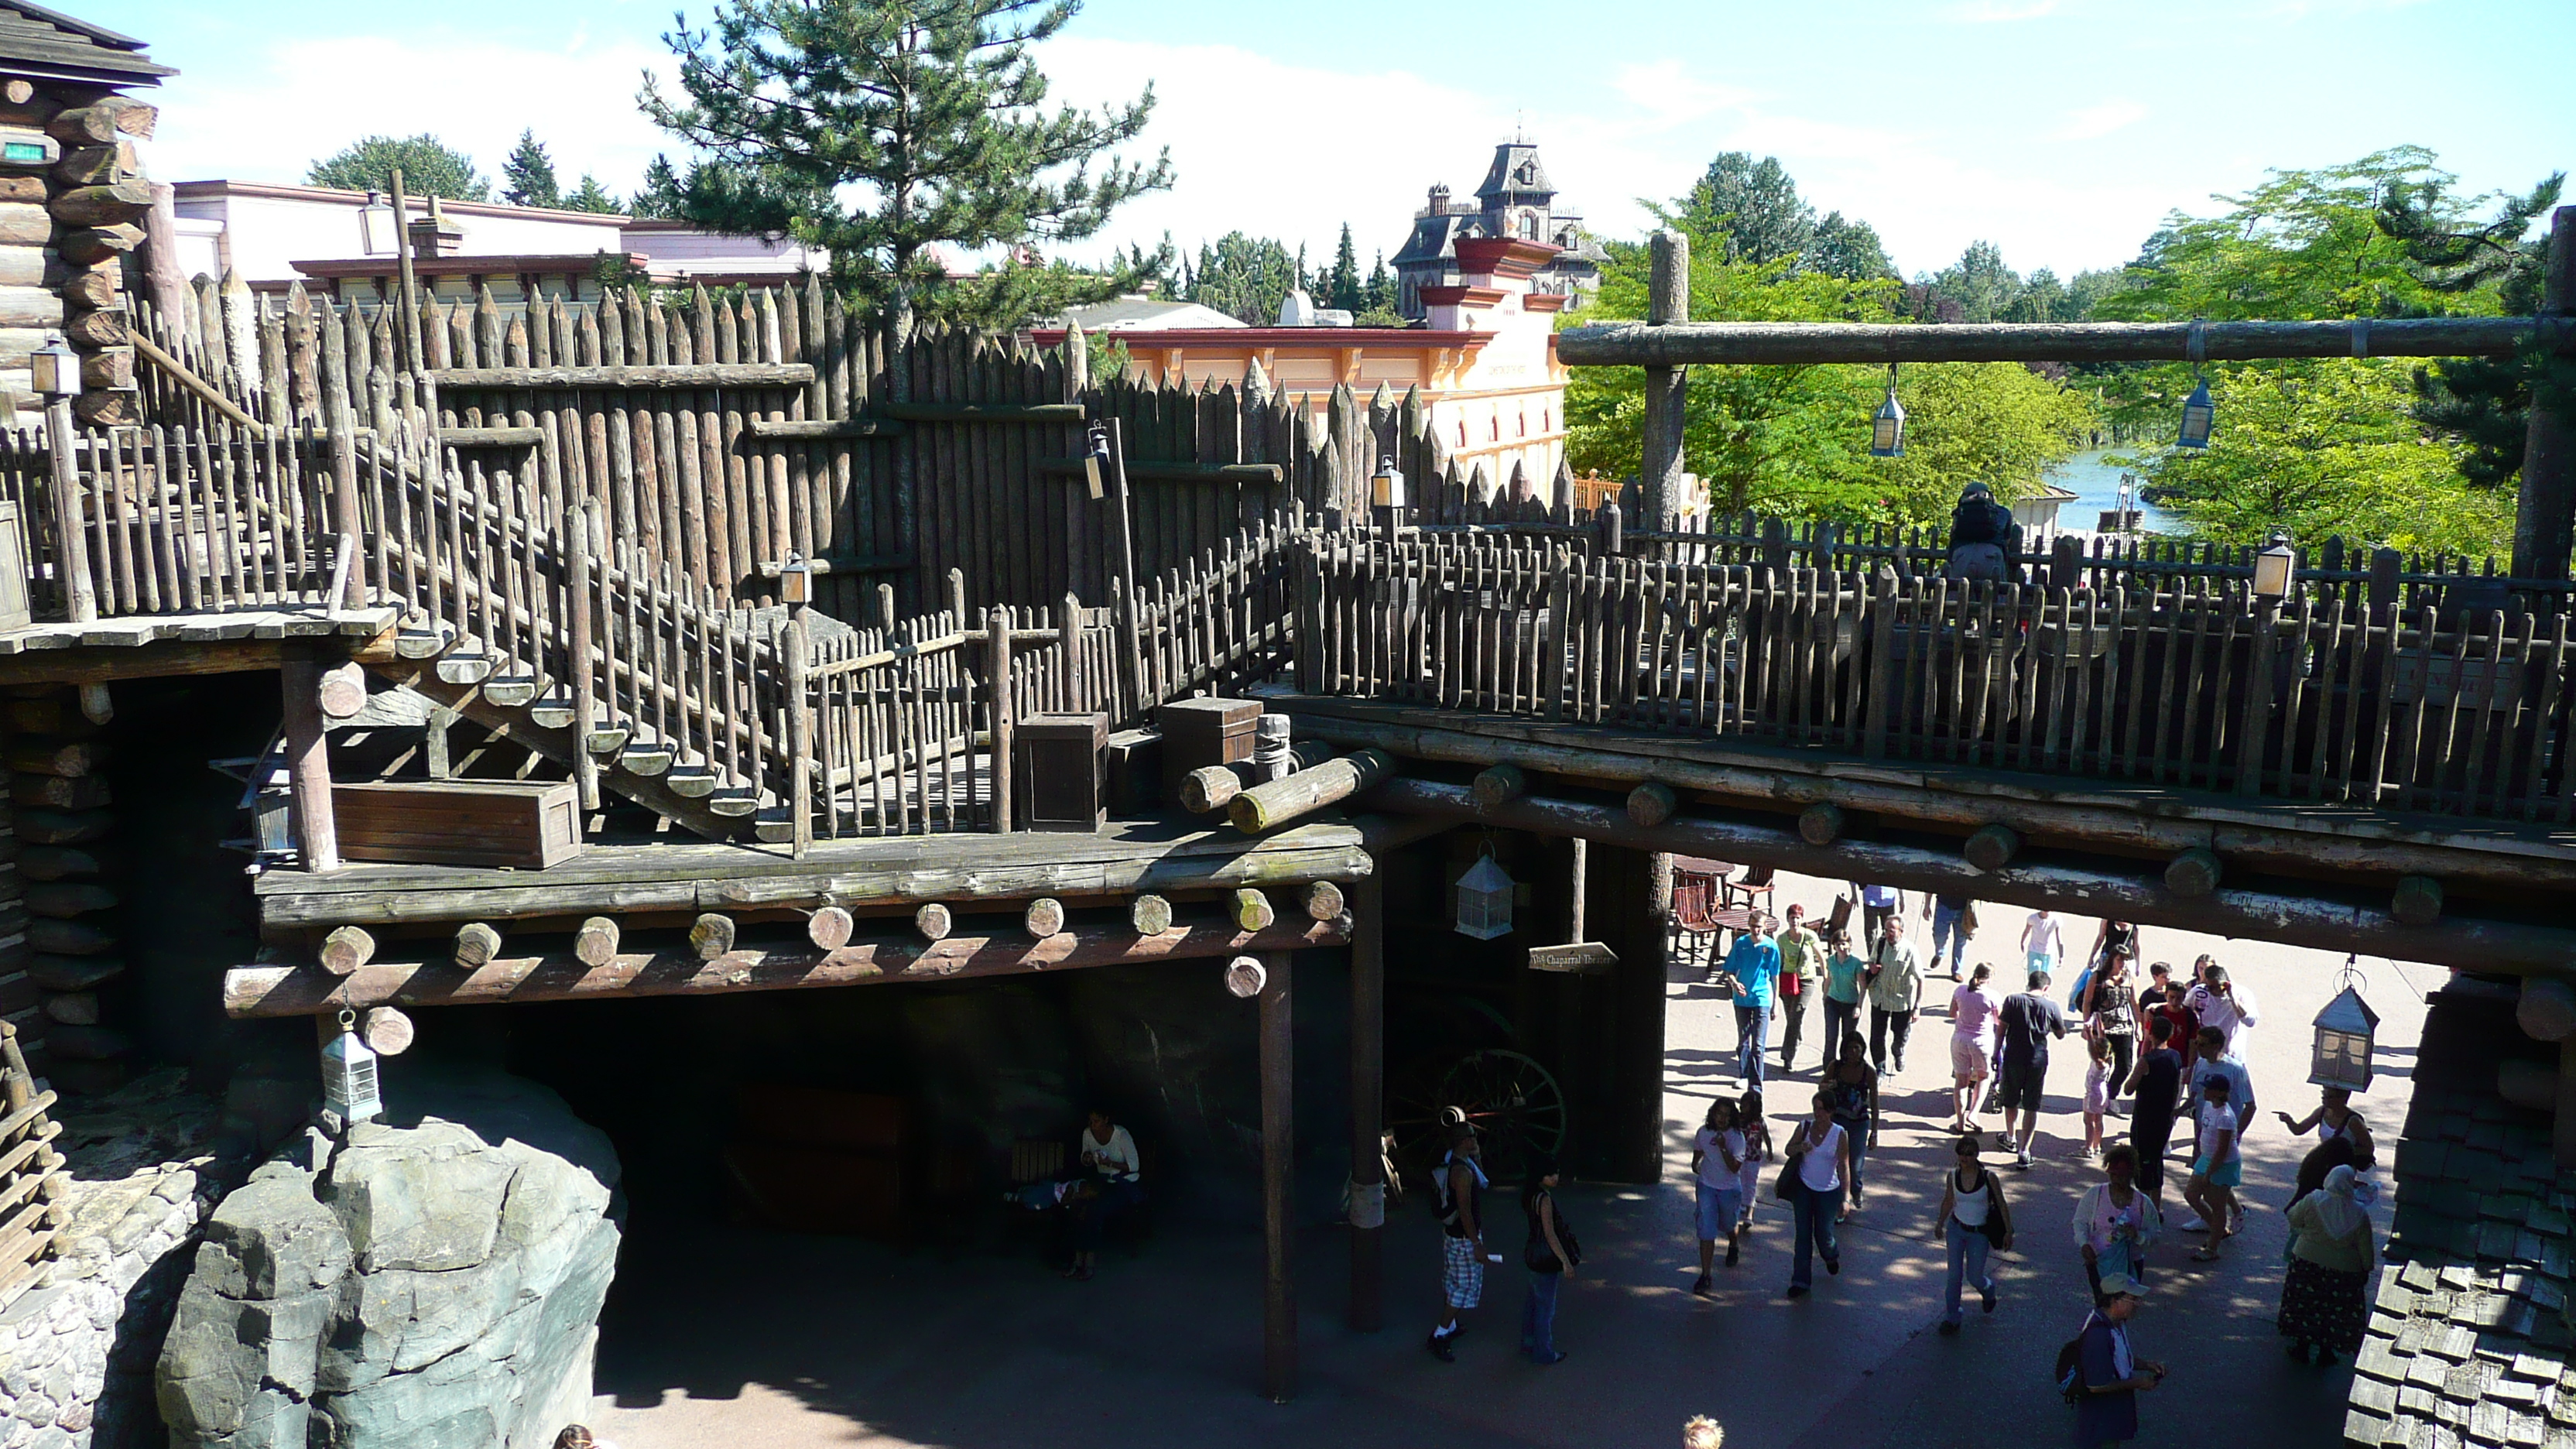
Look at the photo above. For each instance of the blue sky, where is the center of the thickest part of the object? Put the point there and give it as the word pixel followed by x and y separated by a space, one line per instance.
pixel 2063 130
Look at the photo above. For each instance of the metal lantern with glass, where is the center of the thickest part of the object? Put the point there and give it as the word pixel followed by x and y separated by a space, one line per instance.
pixel 2274 568
pixel 2198 415
pixel 349 1075
pixel 796 581
pixel 2345 1031
pixel 1095 461
pixel 1386 492
pixel 1887 430
pixel 1485 900
pixel 55 369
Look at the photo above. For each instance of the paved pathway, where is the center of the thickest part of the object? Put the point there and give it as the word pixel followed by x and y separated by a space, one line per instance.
pixel 754 1342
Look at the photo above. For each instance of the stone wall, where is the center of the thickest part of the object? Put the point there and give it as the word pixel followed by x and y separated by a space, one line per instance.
pixel 77 1351
pixel 432 1282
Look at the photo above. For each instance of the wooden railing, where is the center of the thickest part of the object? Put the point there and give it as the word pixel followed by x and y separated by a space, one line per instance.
pixel 31 1180
pixel 2200 686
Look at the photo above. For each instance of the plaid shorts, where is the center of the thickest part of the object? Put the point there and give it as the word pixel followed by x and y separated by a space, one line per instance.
pixel 1462 1272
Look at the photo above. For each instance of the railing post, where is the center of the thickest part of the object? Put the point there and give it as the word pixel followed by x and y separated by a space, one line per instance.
pixel 800 738
pixel 351 576
pixel 585 705
pixel 1001 709
pixel 1560 600
pixel 71 528
pixel 2254 735
pixel 308 761
pixel 1882 664
pixel 1668 301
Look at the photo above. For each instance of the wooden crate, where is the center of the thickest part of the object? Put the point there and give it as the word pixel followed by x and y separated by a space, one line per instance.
pixel 520 823
pixel 1201 732
pixel 1056 771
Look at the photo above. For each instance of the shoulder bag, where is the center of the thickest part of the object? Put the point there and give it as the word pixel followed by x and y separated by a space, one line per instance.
pixel 1788 1184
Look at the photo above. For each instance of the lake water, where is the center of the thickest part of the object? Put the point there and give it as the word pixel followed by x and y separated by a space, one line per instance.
pixel 2096 487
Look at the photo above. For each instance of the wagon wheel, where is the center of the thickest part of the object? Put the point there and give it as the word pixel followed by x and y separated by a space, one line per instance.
pixel 1515 1105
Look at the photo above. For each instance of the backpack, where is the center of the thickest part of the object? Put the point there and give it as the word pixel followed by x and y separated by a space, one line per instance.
pixel 2070 1369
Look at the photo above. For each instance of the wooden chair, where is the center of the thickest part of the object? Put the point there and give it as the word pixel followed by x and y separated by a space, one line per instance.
pixel 1751 890
pixel 1699 910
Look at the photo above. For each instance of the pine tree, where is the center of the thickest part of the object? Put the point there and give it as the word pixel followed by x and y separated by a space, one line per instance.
pixel 1380 295
pixel 2484 402
pixel 1342 284
pixel 664 194
pixel 528 177
pixel 593 197
pixel 931 114
pixel 430 167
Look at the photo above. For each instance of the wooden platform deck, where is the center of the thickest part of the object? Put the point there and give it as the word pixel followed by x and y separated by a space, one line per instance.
pixel 213 642
pixel 1126 857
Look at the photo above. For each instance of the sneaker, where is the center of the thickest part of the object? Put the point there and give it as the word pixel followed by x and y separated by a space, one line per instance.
pixel 1734 1255
pixel 1988 1294
pixel 2195 1225
pixel 1556 1357
pixel 1834 1266
pixel 1949 1328
pixel 1798 1290
pixel 1900 1062
pixel 1700 1287
pixel 1440 1349
pixel 2021 1162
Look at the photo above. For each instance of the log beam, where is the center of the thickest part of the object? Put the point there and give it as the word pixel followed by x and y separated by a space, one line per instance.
pixel 1992 847
pixel 711 935
pixel 1269 806
pixel 1149 914
pixel 1043 918
pixel 346 949
pixel 830 928
pixel 308 762
pixel 2195 872
pixel 1498 783
pixel 2322 922
pixel 260 991
pixel 476 944
pixel 595 944
pixel 1652 803
pixel 933 921
pixel 2547 1010
pixel 1820 824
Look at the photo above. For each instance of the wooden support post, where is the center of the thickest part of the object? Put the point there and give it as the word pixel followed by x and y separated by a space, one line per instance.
pixel 2544 519
pixel 1043 918
pixel 308 762
pixel 71 526
pixel 1001 710
pixel 434 738
pixel 2254 735
pixel 1368 1101
pixel 1122 553
pixel 1882 664
pixel 1667 301
pixel 1278 1181
pixel 349 565
pixel 578 526
pixel 2562 1132
pixel 800 743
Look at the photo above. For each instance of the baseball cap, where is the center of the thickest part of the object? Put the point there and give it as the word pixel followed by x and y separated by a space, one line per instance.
pixel 2121 1285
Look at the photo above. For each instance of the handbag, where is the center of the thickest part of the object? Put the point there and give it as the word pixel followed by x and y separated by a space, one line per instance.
pixel 1998 1224
pixel 1788 1184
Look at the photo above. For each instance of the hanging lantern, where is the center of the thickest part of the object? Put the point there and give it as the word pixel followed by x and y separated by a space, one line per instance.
pixel 349 1075
pixel 1485 900
pixel 2198 414
pixel 796 581
pixel 2344 1036
pixel 2273 568
pixel 1095 461
pixel 54 369
pixel 1386 487
pixel 1887 430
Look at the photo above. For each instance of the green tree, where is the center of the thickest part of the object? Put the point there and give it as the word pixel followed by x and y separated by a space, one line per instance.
pixel 528 176
pixel 593 197
pixel 430 167
pixel 1342 283
pixel 2326 447
pixel 1850 250
pixel 2483 402
pixel 887 130
pixel 664 195
pixel 1980 282
pixel 1749 209
pixel 1379 295
pixel 1244 277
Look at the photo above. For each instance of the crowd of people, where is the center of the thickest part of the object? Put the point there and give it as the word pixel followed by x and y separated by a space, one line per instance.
pixel 2165 1052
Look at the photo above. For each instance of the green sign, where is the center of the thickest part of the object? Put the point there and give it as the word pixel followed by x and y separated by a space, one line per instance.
pixel 22 151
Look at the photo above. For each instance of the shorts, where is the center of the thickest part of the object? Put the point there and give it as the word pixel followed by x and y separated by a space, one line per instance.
pixel 2040 961
pixel 2019 1085
pixel 1718 1211
pixel 1462 1272
pixel 2224 1174
pixel 1968 1057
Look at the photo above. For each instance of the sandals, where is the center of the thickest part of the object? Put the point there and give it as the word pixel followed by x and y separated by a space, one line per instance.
pixel 2204 1254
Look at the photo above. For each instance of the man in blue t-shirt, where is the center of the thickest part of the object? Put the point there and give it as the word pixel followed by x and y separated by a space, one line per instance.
pixel 1753 967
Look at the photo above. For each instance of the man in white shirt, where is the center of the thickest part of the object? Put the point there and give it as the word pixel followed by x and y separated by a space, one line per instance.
pixel 2218 1002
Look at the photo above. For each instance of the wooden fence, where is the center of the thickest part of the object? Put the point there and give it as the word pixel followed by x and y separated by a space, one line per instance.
pixel 30 1172
pixel 2197 685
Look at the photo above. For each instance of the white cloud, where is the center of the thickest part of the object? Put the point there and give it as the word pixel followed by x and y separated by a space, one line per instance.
pixel 1993 12
pixel 315 96
pixel 2101 120
pixel 1670 94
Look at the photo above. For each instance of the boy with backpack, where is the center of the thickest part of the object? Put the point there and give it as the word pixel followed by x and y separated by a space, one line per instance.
pixel 2097 1373
pixel 1458 1188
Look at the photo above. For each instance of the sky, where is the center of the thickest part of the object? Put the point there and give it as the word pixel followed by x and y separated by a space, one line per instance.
pixel 2062 130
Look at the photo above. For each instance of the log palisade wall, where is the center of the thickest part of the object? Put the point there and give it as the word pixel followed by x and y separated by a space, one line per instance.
pixel 65 235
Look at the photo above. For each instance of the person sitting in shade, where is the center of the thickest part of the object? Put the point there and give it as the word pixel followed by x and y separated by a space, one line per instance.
pixel 1111 1182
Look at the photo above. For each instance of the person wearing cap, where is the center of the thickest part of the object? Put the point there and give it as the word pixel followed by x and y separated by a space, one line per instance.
pixel 2110 1377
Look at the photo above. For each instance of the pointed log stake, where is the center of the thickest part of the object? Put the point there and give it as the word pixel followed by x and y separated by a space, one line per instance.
pixel 932 920
pixel 346 949
pixel 1651 804
pixel 387 1030
pixel 2417 901
pixel 1820 823
pixel 711 935
pixel 476 944
pixel 1322 899
pixel 1267 807
pixel 829 928
pixel 595 944
pixel 1044 917
pixel 1993 847
pixel 1500 784
pixel 2195 872
pixel 1209 788
pixel 1149 915
pixel 1251 910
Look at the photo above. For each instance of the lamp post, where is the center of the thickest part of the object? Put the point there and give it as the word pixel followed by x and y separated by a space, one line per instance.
pixel 55 370
pixel 2274 568
pixel 1386 494
pixel 1887 430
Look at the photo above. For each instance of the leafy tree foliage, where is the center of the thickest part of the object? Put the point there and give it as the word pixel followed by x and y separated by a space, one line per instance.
pixel 1379 295
pixel 1750 209
pixel 1850 250
pixel 430 167
pixel 889 131
pixel 593 197
pixel 528 177
pixel 1244 277
pixel 2483 402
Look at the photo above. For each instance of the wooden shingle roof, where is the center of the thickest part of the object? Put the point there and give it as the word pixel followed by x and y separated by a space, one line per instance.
pixel 49 45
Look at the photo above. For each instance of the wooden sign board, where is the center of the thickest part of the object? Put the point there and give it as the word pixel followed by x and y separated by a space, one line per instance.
pixel 527 824
pixel 1578 958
